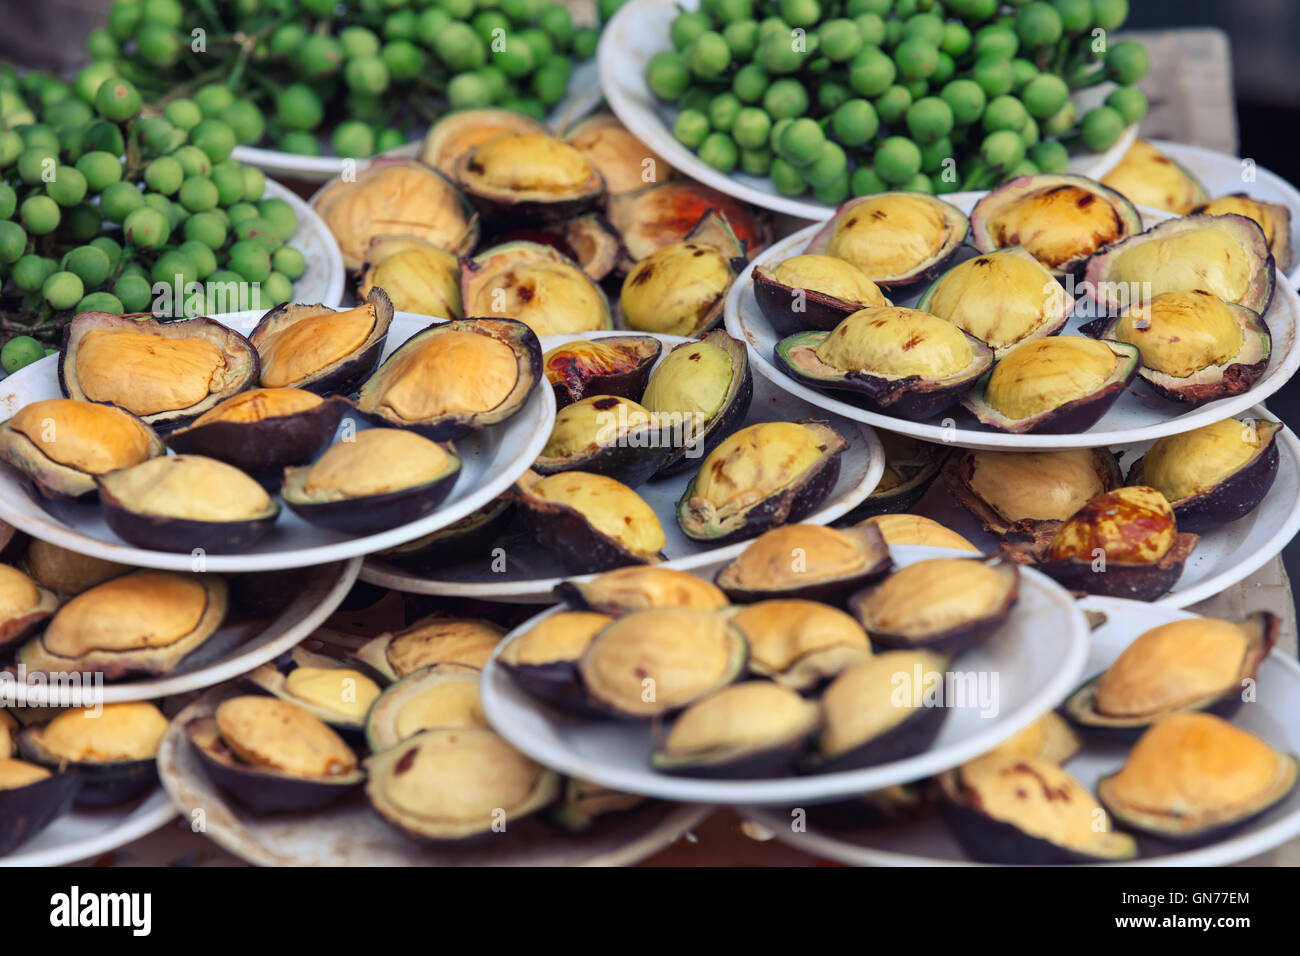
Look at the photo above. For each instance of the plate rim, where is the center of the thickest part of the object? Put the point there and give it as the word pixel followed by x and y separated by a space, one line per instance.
pixel 812 788
pixel 384 574
pixel 1231 850
pixel 37 522
pixel 147 816
pixel 965 437
pixel 677 820
pixel 613 67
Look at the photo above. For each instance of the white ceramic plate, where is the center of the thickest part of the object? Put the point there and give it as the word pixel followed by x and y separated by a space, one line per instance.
pixel 1036 657
pixel 531 572
pixel 582 97
pixel 926 842
pixel 640 30
pixel 349 833
pixel 236 648
pixel 1222 557
pixel 1222 174
pixel 82 833
pixel 323 280
pixel 1139 414
pixel 491 460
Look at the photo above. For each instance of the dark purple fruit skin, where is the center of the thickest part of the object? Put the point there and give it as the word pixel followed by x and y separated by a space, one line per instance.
pixel 1139 582
pixel 12 632
pixel 1233 498
pixel 620 461
pixel 733 413
pixel 557 683
pixel 789 507
pixel 903 398
pixel 376 513
pixel 899 499
pixel 630 384
pixel 263 792
pixel 567 534
pixel 834 593
pixel 952 641
pixel 452 427
pixel 987 840
pixel 1225 707
pixel 1078 415
pixel 261 446
pixel 28 810
pixel 110 784
pixel 452 549
pixel 154 533
pixel 821 312
pixel 915 734
pixel 1194 838
pixel 771 762
pixel 13 543
pixel 351 371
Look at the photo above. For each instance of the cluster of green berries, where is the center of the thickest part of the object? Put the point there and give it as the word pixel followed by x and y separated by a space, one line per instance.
pixel 850 97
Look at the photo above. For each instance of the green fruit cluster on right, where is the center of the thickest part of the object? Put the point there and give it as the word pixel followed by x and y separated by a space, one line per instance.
pixel 851 97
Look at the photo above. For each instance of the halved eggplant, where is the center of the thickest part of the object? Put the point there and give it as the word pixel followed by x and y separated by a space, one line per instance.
pixel 592 522
pixel 62 444
pixel 321 349
pixel 458 132
pixel 1011 809
pixel 901 362
pixel 1148 177
pixel 744 731
pixel 1213 474
pixel 382 478
pixel 528 177
pixel 652 663
pixel 705 389
pixel 1060 219
pixel 895 238
pixel 1193 664
pixel 416 275
pixel 764 475
pixel 431 640
pixel 31 798
pixel 806 561
pixel 1226 256
pixel 639 588
pixel 186 503
pixel 167 373
pixel 942 604
pixel 1193 778
pixel 263 429
pixel 680 289
pixel 469 538
pixel 272 756
pixel 1274 218
pixel 1002 298
pixel 543 660
pixel 1124 543
pixel 112 747
pixel 911 466
pixel 392 194
pixel 145 622
pixel 67 572
pixel 614 365
pixel 454 377
pixel 455 785
pixel 607 435
pixel 534 284
pixel 800 644
pixel 441 695
pixel 323 686
pixel 664 213
pixel 24 605
pixel 583 803
pixel 1058 385
pixel 870 718
pixel 623 161
pixel 1194 346
pixel 1029 494
pixel 812 292
pixel 917 530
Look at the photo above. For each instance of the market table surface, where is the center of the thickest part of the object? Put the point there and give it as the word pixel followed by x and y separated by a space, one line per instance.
pixel 1189 87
